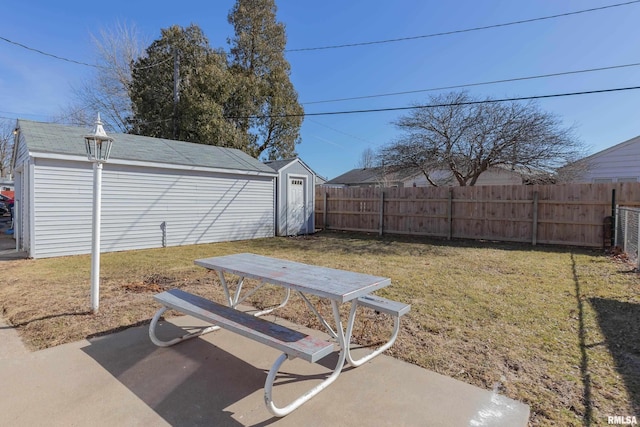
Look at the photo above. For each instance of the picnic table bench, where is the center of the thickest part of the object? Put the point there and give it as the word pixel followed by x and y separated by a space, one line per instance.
pixel 338 286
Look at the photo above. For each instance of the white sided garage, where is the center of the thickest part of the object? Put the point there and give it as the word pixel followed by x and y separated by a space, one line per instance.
pixel 155 192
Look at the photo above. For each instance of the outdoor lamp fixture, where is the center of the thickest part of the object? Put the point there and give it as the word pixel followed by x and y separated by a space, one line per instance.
pixel 98 146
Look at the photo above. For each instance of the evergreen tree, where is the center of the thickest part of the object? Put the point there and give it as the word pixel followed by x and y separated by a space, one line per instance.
pixel 179 90
pixel 263 104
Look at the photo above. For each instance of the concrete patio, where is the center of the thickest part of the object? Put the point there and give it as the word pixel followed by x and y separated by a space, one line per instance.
pixel 217 380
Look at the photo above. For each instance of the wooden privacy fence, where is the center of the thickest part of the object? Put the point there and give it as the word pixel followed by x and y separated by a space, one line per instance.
pixel 567 214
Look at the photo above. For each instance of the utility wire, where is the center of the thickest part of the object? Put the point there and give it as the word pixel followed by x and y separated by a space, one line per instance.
pixel 487 27
pixel 515 79
pixel 48 54
pixel 467 30
pixel 416 107
pixel 73 61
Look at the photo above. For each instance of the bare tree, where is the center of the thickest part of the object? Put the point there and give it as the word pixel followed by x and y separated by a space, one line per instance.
pixel 466 136
pixel 574 171
pixel 107 91
pixel 367 160
pixel 6 146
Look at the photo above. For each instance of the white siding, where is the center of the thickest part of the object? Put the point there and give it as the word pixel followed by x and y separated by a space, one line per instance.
pixel 499 177
pixel 620 163
pixel 493 176
pixel 197 207
pixel 22 153
pixel 22 224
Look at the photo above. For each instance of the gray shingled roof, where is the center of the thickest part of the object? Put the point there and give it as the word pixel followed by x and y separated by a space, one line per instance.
pixel 276 165
pixel 59 139
pixel 358 176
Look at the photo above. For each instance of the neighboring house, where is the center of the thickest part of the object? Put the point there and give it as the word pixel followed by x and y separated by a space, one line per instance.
pixel 6 187
pixel 620 163
pixel 497 175
pixel 375 177
pixel 295 203
pixel 364 177
pixel 6 184
pixel 155 192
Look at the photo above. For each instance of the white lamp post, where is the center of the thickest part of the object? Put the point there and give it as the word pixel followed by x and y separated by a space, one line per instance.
pixel 98 146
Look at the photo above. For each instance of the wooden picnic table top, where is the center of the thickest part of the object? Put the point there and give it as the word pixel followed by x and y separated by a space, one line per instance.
pixel 331 283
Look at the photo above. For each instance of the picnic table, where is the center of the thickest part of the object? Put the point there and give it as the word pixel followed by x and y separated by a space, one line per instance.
pixel 336 286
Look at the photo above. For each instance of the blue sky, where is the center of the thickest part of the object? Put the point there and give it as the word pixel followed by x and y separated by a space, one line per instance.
pixel 36 87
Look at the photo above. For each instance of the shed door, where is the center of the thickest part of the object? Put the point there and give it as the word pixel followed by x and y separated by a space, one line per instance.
pixel 295 209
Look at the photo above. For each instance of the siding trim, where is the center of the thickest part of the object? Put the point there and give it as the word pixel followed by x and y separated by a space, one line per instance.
pixel 31 215
pixel 52 156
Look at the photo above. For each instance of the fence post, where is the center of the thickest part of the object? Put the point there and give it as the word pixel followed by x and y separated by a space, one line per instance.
pixel 616 224
pixel 614 212
pixel 626 230
pixel 381 211
pixel 450 215
pixel 324 212
pixel 637 214
pixel 534 226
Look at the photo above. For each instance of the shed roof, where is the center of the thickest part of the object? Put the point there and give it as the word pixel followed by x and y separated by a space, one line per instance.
pixel 278 165
pixel 59 139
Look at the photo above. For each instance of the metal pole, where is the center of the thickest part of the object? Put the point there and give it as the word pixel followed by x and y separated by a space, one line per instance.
pixel 95 237
pixel 625 234
pixel 534 225
pixel 613 214
pixel 616 219
pixel 637 215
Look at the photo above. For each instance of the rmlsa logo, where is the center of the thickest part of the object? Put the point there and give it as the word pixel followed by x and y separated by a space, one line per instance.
pixel 620 420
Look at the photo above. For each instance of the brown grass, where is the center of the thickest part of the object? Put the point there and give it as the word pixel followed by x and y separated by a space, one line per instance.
pixel 558 329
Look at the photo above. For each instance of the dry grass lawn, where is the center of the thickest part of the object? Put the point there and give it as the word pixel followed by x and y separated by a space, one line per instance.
pixel 558 329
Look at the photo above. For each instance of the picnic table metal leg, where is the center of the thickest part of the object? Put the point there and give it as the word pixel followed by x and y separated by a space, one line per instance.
pixel 330 330
pixel 160 343
pixel 364 359
pixel 235 300
pixel 225 287
pixel 273 372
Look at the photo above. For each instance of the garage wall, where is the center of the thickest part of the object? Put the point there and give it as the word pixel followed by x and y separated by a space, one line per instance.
pixel 139 202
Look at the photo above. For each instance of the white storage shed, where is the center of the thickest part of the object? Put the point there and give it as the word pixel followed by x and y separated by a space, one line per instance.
pixel 155 192
pixel 295 197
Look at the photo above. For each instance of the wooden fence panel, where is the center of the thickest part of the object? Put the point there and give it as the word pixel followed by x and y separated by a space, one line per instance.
pixel 568 214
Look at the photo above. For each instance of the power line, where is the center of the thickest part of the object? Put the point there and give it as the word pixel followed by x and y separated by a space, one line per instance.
pixel 415 107
pixel 524 21
pixel 467 30
pixel 73 61
pixel 515 79
pixel 48 54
